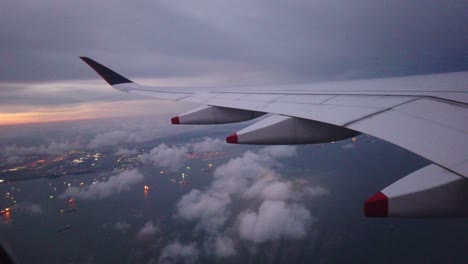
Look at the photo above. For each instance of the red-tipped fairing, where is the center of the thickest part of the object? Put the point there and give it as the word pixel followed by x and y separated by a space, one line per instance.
pixel 429 192
pixel 376 206
pixel 232 139
pixel 175 120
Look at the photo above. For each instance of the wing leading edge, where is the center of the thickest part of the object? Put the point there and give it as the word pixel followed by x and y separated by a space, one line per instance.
pixel 424 114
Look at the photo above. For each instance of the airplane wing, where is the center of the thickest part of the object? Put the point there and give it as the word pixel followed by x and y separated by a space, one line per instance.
pixel 425 114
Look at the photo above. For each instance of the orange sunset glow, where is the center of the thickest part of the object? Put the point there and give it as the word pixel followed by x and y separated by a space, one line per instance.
pixel 91 111
pixel 31 103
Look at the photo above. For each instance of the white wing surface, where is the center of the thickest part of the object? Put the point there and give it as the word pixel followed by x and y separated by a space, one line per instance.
pixel 425 114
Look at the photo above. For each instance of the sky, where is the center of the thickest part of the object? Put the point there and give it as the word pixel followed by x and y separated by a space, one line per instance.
pixel 210 43
pixel 259 203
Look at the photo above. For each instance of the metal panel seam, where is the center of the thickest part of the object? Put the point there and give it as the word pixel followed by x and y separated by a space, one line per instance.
pixel 379 112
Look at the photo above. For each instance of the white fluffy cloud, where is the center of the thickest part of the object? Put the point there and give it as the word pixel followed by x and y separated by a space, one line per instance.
pixel 254 179
pixel 173 157
pixel 224 246
pixel 209 144
pixel 169 157
pixel 239 173
pixel 274 220
pixel 279 151
pixel 209 208
pixel 147 230
pixel 271 189
pixel 115 184
pixel 177 252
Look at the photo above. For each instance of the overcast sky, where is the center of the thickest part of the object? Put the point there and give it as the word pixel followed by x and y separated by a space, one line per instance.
pixel 212 43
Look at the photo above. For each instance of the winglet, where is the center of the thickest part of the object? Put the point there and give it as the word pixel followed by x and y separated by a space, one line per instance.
pixel 107 74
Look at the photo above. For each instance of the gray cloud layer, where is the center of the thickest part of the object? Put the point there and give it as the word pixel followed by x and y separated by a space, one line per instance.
pixel 215 43
pixel 303 40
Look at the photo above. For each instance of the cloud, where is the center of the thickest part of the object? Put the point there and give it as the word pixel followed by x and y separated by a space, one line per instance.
pixel 210 207
pixel 209 145
pixel 122 152
pixel 53 148
pixel 114 185
pixel 279 152
pixel 346 37
pixel 242 184
pixel 130 131
pixel 207 207
pixel 220 43
pixel 168 157
pixel 238 174
pixel 224 246
pixel 27 207
pixel 274 220
pixel 348 146
pixel 14 159
pixel 147 230
pixel 272 190
pixel 173 157
pixel 120 226
pixel 315 191
pixel 177 252
pixel 109 138
pixel 114 138
pixel 275 188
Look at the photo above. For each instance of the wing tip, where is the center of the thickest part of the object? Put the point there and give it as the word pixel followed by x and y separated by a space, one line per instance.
pixel 111 77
